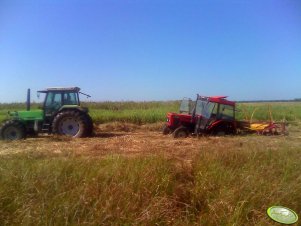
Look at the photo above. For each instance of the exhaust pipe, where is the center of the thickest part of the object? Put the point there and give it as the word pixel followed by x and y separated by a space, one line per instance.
pixel 28 100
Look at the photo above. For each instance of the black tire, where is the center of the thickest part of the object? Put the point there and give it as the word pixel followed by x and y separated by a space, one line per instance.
pixel 90 126
pixel 220 133
pixel 181 132
pixel 71 123
pixel 166 130
pixel 223 131
pixel 12 130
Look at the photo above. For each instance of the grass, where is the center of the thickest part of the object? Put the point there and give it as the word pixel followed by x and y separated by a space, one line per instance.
pixel 289 111
pixel 84 191
pixel 236 187
pixel 226 184
pixel 151 112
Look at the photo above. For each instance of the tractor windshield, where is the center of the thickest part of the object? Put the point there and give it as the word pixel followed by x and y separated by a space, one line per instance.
pixel 186 106
pixel 205 108
pixel 53 100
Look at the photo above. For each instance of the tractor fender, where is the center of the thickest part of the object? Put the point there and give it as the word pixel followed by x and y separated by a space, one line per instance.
pixel 72 108
pixel 215 124
pixel 14 120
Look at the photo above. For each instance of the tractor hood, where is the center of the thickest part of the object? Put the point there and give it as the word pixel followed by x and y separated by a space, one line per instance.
pixel 27 115
pixel 176 119
pixel 177 115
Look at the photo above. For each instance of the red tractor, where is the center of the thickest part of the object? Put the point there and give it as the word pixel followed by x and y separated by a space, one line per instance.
pixel 207 115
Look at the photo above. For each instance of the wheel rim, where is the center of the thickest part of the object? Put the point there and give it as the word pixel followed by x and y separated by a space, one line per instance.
pixel 12 133
pixel 69 126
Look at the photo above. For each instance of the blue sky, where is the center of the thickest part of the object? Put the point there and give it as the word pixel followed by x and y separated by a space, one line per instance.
pixel 152 49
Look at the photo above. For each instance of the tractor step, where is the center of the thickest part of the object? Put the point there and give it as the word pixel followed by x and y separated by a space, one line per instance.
pixel 45 127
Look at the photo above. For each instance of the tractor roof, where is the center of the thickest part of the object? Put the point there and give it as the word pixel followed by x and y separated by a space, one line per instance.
pixel 218 99
pixel 60 89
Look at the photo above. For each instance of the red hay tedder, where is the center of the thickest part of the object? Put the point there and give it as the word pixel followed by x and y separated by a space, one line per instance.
pixel 214 116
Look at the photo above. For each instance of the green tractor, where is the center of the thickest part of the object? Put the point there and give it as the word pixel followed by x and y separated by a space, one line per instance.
pixel 61 114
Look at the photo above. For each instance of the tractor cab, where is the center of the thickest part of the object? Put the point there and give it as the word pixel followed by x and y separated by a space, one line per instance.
pixel 214 115
pixel 56 98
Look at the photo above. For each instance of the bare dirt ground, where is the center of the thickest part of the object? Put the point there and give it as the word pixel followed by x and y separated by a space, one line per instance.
pixel 130 140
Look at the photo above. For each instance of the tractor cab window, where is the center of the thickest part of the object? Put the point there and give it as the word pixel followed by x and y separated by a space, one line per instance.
pixel 226 112
pixel 213 110
pixel 209 110
pixel 200 104
pixel 70 99
pixel 206 108
pixel 53 102
pixel 186 106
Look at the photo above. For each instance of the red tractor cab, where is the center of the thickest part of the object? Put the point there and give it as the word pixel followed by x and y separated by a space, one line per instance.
pixel 214 116
pixel 207 115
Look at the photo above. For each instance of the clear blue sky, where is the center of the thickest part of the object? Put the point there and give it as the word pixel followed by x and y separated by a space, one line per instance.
pixel 152 49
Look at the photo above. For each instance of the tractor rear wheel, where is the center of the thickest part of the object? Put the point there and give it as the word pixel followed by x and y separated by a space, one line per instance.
pixel 90 127
pixel 71 123
pixel 220 133
pixel 12 130
pixel 223 130
pixel 181 132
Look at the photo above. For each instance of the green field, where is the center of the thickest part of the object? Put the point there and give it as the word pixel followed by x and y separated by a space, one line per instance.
pixel 151 112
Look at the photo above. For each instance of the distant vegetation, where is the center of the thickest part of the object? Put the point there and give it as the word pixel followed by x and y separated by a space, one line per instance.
pixel 155 111
pixel 133 112
pixel 288 111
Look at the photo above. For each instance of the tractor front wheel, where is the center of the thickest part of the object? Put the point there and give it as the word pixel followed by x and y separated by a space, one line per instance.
pixel 166 130
pixel 181 132
pixel 70 123
pixel 12 130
